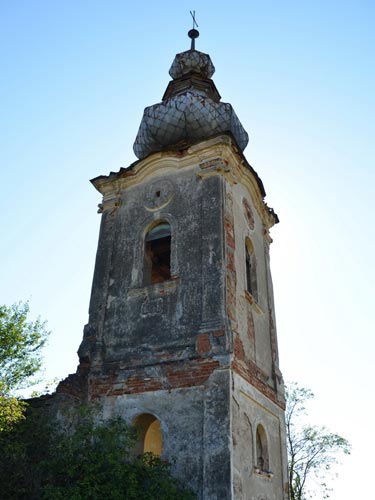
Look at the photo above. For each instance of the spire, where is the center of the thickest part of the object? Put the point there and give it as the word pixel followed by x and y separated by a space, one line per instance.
pixel 190 110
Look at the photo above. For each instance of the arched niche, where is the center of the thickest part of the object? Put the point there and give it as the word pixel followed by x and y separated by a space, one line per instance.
pixel 150 439
pixel 262 457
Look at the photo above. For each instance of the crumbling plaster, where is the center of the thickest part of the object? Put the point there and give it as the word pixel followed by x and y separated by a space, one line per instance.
pixel 197 351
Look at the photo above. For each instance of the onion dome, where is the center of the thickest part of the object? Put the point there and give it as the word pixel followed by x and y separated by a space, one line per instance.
pixel 190 110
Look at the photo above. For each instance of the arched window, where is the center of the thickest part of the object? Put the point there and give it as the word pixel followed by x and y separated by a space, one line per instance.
pixel 262 449
pixel 149 434
pixel 251 274
pixel 157 266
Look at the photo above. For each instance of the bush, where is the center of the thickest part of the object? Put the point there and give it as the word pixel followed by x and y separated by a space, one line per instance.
pixel 83 458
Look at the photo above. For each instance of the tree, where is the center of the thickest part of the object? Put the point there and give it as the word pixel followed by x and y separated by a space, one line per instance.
pixel 21 342
pixel 81 457
pixel 312 450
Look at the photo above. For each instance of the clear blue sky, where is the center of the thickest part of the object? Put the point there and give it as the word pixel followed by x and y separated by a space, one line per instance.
pixel 76 76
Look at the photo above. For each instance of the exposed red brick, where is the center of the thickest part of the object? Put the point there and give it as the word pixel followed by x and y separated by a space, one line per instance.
pixel 229 231
pixel 250 325
pixel 190 374
pixel 230 261
pixel 257 378
pixel 75 385
pixel 203 343
pixel 172 376
pixel 248 214
pixel 219 333
pixel 239 352
pixel 231 278
pixel 250 340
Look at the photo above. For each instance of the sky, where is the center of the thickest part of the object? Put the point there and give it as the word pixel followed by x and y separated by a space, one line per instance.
pixel 76 76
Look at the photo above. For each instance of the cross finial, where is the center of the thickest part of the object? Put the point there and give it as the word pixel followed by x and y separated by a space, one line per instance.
pixel 193 33
pixel 195 24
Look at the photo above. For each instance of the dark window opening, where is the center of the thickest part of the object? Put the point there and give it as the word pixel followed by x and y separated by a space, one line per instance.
pixel 158 194
pixel 262 449
pixel 158 254
pixel 251 273
pixel 248 272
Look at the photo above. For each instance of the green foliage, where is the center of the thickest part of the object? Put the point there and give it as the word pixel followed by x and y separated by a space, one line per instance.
pixel 21 342
pixel 11 411
pixel 312 450
pixel 83 458
pixel 21 447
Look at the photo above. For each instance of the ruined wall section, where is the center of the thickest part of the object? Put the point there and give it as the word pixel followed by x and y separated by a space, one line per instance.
pixel 164 349
pixel 250 408
pixel 175 334
pixel 146 337
pixel 197 350
pixel 195 424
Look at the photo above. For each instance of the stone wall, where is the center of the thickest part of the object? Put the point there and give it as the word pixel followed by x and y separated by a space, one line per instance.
pixel 197 351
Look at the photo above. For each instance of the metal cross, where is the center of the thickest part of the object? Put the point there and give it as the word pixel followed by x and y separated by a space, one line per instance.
pixel 193 33
pixel 195 24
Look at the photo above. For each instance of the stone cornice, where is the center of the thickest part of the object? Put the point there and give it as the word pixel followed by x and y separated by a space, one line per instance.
pixel 218 155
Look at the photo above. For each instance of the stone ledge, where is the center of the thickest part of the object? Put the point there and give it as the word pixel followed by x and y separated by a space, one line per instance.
pixel 265 474
pixel 155 288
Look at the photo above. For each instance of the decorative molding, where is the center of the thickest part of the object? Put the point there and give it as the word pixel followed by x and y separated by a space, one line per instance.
pixel 218 155
pixel 110 204
pixel 159 194
pixel 217 166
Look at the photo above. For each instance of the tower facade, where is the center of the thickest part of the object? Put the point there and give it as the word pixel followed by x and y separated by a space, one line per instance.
pixel 181 338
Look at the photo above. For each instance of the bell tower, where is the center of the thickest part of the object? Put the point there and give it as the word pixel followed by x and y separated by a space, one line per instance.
pixel 181 338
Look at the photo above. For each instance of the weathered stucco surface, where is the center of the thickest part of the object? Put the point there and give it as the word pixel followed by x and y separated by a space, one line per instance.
pixel 198 351
pixel 195 426
pixel 249 409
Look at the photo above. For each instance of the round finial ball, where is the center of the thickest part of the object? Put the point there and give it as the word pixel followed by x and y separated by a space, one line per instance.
pixel 193 33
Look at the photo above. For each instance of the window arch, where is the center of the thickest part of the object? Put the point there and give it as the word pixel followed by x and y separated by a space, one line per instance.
pixel 150 439
pixel 262 458
pixel 157 261
pixel 251 273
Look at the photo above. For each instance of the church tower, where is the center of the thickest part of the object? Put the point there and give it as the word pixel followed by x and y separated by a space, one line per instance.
pixel 181 338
